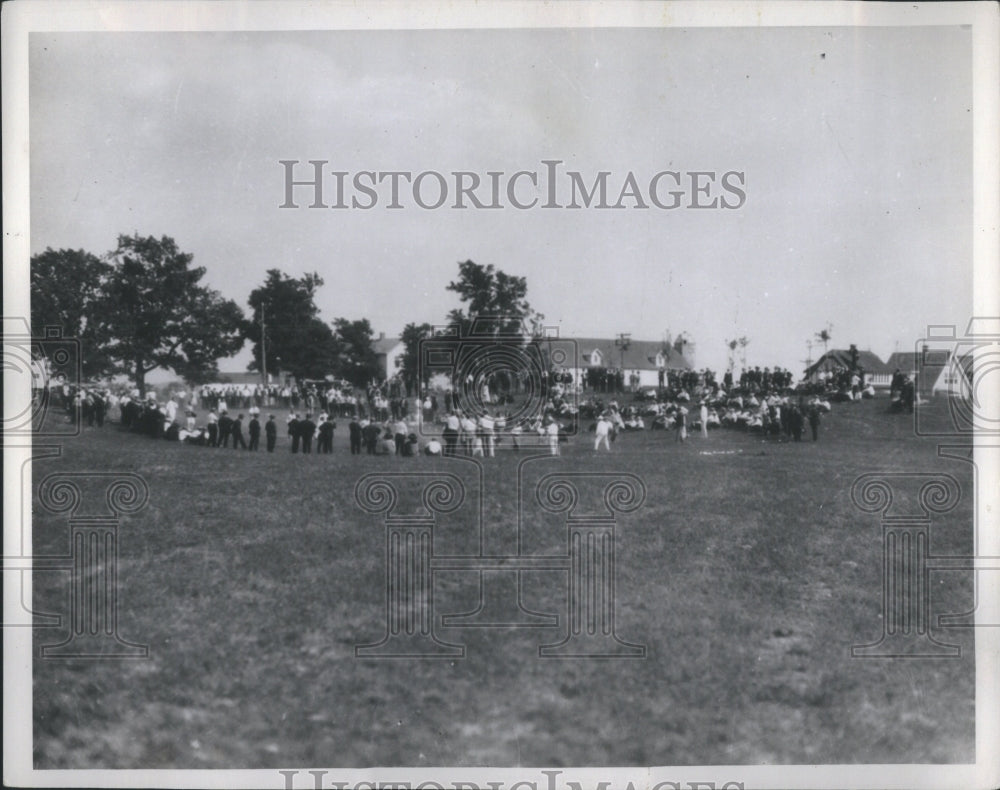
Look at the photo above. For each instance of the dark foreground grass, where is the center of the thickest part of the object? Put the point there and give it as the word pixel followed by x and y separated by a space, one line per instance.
pixel 748 575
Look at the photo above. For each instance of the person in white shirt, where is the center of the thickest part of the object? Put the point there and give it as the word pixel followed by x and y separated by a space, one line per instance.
pixel 468 436
pixel 170 410
pixel 400 429
pixel 552 432
pixel 213 428
pixel 601 433
pixel 515 434
pixel 486 430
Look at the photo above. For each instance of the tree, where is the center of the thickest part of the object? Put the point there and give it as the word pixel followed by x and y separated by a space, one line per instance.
pixel 743 342
pixel 495 298
pixel 66 285
pixel 413 335
pixel 155 313
pixel 825 335
pixel 356 358
pixel 296 339
pixel 732 345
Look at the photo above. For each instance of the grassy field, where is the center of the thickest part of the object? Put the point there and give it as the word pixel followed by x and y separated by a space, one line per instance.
pixel 748 574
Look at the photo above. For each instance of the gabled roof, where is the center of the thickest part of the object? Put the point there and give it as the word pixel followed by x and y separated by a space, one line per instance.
pixel 385 344
pixel 841 357
pixel 639 355
pixel 905 361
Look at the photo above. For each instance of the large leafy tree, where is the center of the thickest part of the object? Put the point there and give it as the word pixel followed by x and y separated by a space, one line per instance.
pixel 296 339
pixel 65 287
pixel 824 336
pixel 155 313
pixel 494 300
pixel 356 358
pixel 413 335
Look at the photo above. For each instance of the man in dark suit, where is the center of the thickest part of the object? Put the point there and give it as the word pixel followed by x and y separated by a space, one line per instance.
pixel 306 430
pixel 355 431
pixel 325 444
pixel 271 431
pixel 293 431
pixel 225 428
pixel 237 431
pixel 254 429
pixel 814 422
pixel 371 433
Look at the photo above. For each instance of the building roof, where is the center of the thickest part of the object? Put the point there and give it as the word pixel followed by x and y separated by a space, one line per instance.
pixel 384 345
pixel 639 355
pixel 902 360
pixel 841 357
pixel 909 361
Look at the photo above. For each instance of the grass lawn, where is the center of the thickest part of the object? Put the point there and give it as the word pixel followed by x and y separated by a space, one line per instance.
pixel 748 574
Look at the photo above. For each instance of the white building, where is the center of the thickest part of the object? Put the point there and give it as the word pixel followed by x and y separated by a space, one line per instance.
pixel 389 351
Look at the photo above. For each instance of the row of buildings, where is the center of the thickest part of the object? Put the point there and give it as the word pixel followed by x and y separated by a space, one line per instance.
pixel 643 360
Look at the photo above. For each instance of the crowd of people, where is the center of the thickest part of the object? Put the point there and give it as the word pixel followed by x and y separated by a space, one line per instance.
pixel 466 418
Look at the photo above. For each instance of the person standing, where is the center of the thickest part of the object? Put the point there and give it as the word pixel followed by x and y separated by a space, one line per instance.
pixel 294 432
pixel 796 420
pixel 213 429
pixel 468 435
pixel 814 422
pixel 681 419
pixel 271 432
pixel 487 427
pixel 370 432
pixel 225 428
pixel 450 434
pixel 703 417
pixel 601 431
pixel 515 435
pixel 325 444
pixel 237 431
pixel 354 429
pixel 254 430
pixel 306 429
pixel 552 432
pixel 400 430
pixel 100 407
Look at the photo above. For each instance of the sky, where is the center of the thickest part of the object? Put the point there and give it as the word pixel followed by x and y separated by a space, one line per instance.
pixel 856 145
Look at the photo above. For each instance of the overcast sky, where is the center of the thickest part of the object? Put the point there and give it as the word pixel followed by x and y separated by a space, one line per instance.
pixel 856 145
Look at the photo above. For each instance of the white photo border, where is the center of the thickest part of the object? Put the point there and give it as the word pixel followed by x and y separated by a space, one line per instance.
pixel 22 18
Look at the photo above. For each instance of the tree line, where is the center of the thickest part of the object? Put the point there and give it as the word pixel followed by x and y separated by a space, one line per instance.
pixel 144 306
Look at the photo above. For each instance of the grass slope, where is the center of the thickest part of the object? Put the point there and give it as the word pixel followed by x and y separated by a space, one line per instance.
pixel 748 575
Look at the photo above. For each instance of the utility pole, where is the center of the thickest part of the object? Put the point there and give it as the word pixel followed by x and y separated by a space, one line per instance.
pixel 263 346
pixel 623 342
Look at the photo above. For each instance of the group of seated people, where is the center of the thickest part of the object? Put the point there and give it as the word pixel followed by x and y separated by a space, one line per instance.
pixel 771 414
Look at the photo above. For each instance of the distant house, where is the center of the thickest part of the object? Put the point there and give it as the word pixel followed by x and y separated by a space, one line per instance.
pixel 947 372
pixel 935 369
pixel 389 352
pixel 876 371
pixel 645 358
pixel 903 361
